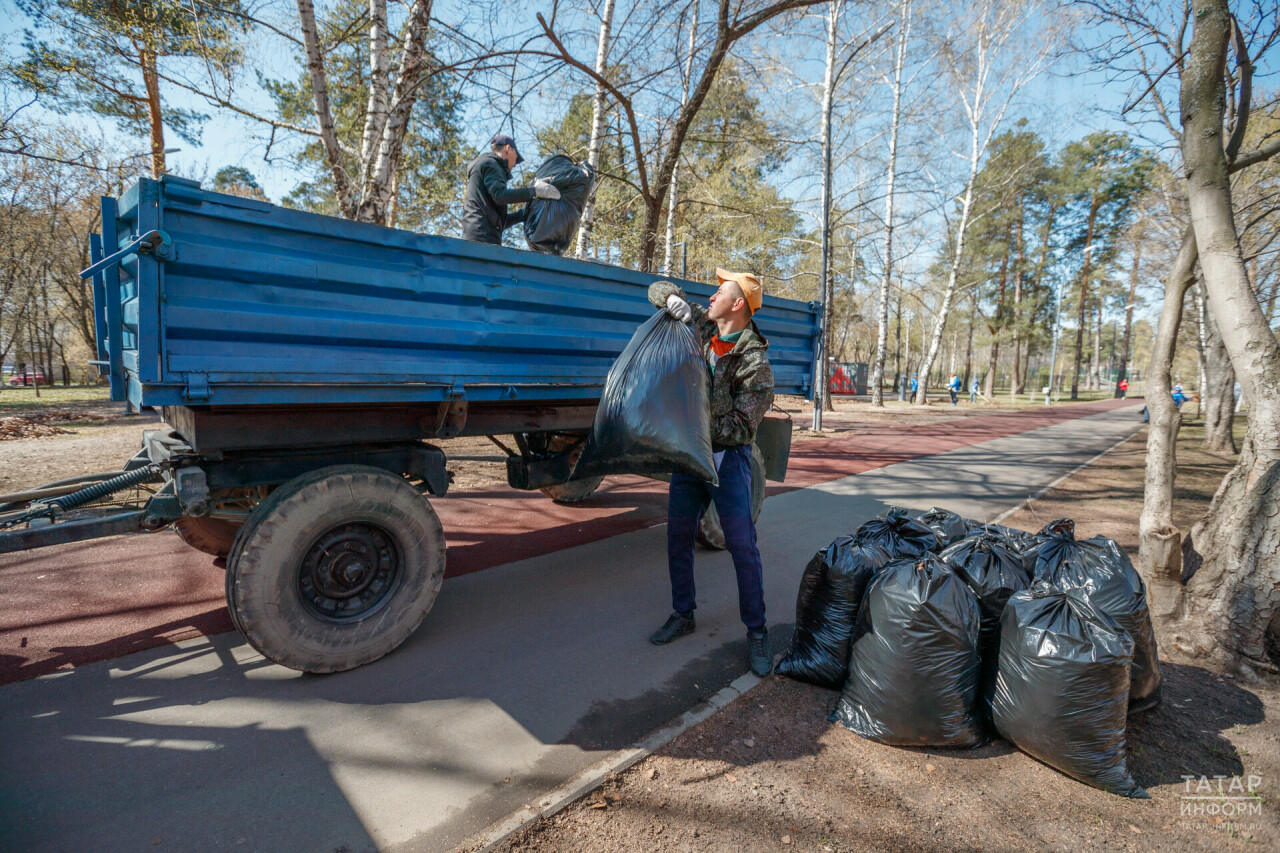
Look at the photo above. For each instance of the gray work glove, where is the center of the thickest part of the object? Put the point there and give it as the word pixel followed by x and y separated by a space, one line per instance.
pixel 679 309
pixel 543 188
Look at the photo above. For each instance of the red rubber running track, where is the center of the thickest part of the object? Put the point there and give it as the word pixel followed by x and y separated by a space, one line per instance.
pixel 90 601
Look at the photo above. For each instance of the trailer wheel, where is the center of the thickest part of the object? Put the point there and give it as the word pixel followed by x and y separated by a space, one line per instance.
pixel 335 569
pixel 710 534
pixel 210 535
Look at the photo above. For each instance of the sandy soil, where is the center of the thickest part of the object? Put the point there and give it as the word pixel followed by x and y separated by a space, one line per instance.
pixel 770 773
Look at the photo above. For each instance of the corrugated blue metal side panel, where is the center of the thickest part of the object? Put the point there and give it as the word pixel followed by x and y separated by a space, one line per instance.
pixel 264 305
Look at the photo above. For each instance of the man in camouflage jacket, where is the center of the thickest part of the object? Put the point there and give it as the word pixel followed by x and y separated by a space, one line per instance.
pixel 741 393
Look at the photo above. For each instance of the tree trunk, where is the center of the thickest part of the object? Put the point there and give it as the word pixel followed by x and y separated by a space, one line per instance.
pixel 151 81
pixel 320 98
pixel 940 324
pixel 1158 561
pixel 1017 378
pixel 598 112
pixel 998 319
pixel 1095 366
pixel 1084 298
pixel 375 117
pixel 375 193
pixel 1123 372
pixel 1234 553
pixel 822 397
pixel 1217 393
pixel 669 250
pixel 895 121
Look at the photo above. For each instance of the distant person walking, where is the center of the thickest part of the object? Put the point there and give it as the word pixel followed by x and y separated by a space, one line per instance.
pixel 1123 388
pixel 953 387
pixel 973 390
pixel 915 384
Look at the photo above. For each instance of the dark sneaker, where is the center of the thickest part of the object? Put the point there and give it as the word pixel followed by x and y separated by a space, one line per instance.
pixel 758 652
pixel 677 625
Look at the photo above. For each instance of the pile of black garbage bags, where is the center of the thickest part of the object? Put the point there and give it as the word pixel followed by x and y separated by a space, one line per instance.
pixel 940 631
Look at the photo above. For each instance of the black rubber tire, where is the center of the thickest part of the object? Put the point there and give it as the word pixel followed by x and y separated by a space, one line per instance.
pixel 573 491
pixel 710 534
pixel 266 564
pixel 210 535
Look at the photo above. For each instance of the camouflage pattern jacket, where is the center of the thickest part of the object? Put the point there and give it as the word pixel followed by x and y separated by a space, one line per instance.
pixel 742 383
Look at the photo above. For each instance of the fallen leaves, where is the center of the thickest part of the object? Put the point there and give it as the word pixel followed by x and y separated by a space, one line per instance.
pixel 13 428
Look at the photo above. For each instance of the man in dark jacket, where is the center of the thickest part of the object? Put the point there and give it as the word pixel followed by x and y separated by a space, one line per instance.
pixel 741 393
pixel 484 210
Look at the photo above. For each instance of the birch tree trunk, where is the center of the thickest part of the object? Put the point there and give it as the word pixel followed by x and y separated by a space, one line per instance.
pixel 940 324
pixel 598 113
pixel 1000 59
pixel 320 98
pixel 670 237
pixel 376 191
pixel 375 117
pixel 821 400
pixel 895 121
pixel 1233 594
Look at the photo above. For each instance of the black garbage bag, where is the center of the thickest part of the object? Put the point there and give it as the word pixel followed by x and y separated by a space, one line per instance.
pixel 1099 569
pixel 950 526
pixel 899 534
pixel 1017 540
pixel 994 572
pixel 550 224
pixel 826 609
pixel 1062 688
pixel 913 671
pixel 655 413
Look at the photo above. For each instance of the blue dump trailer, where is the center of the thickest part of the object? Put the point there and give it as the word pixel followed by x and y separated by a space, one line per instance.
pixel 303 364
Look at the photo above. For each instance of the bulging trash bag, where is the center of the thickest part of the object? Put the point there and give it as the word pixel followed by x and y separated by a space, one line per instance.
pixel 1104 574
pixel 994 572
pixel 550 224
pixel 899 534
pixel 1062 688
pixel 913 671
pixel 949 526
pixel 655 413
pixel 1017 540
pixel 826 608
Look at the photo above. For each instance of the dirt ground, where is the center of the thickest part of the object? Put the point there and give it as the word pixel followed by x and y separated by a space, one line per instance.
pixel 770 773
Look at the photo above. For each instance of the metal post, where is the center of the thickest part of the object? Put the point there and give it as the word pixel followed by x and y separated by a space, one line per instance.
pixel 684 259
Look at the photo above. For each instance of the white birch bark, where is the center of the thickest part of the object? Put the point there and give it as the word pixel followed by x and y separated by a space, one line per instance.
pixel 375 117
pixel 828 84
pixel 668 252
pixel 377 189
pixel 320 96
pixel 895 120
pixel 598 112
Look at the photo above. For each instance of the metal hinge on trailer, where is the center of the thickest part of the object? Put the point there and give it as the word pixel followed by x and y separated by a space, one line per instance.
pixel 154 242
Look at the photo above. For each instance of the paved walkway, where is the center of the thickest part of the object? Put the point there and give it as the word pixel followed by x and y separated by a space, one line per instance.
pixel 521 676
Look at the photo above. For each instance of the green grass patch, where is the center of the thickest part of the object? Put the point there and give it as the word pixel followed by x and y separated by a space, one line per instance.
pixel 17 401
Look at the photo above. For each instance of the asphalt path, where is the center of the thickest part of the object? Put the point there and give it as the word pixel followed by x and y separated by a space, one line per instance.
pixel 522 675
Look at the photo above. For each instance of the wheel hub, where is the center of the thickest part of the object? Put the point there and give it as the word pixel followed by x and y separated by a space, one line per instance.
pixel 349 572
